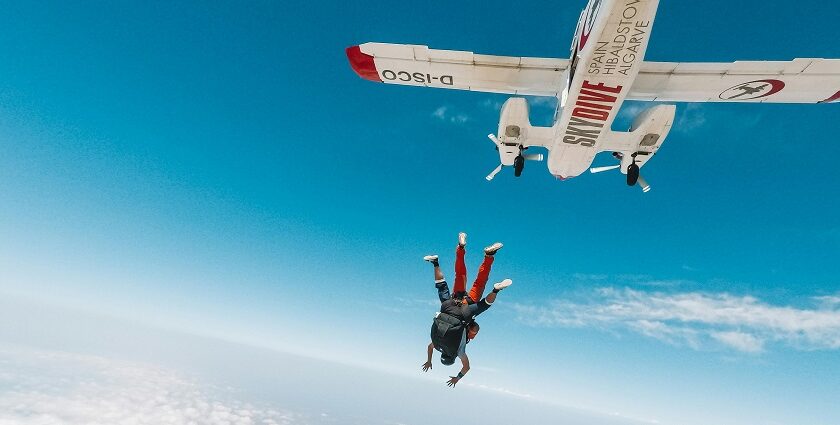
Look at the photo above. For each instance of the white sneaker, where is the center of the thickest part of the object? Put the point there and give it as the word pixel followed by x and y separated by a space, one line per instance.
pixel 431 258
pixel 502 285
pixel 462 239
pixel 490 250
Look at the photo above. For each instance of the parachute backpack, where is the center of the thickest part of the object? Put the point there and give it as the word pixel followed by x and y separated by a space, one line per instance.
pixel 447 332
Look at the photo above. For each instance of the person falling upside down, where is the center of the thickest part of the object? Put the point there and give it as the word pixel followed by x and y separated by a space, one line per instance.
pixel 454 326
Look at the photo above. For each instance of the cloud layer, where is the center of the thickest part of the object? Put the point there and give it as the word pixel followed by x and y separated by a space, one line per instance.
pixel 58 388
pixel 698 320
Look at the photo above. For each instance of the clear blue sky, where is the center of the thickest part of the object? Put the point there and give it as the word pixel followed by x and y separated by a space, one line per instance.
pixel 220 169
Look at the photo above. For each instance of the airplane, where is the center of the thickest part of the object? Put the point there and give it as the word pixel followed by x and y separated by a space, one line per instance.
pixel 606 68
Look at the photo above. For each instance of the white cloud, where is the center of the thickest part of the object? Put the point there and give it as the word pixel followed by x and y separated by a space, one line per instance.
pixel 698 319
pixel 740 341
pixel 828 300
pixel 691 118
pixel 49 388
pixel 443 113
pixel 492 104
pixel 664 332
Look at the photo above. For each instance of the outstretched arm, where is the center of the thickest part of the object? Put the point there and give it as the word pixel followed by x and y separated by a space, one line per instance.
pixel 428 365
pixel 481 306
pixel 465 362
pixel 486 302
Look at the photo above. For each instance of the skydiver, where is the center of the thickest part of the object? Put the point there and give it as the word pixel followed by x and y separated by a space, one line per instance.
pixel 460 308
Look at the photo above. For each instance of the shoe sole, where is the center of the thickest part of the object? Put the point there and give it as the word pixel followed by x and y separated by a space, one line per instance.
pixel 500 287
pixel 492 249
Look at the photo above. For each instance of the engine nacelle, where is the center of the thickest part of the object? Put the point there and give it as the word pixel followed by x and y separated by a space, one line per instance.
pixel 514 126
pixel 650 128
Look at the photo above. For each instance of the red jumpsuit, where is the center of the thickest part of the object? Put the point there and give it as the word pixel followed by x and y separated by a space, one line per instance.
pixel 477 289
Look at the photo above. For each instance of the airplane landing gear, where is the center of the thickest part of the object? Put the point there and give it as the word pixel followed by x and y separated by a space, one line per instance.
pixel 632 173
pixel 518 165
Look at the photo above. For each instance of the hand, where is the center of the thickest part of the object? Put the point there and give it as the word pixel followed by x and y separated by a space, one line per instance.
pixel 452 381
pixel 426 366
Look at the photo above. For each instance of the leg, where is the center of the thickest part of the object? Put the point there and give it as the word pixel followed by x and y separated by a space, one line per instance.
pixel 491 298
pixel 460 272
pixel 477 289
pixel 496 288
pixel 442 288
pixel 440 281
pixel 485 303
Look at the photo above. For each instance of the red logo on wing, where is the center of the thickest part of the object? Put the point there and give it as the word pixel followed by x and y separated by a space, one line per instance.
pixel 753 90
pixel 834 97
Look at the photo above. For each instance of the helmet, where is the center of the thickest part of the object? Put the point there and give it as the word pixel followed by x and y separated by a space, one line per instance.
pixel 447 360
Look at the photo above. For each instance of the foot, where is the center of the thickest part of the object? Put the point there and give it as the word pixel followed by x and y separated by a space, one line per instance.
pixel 431 258
pixel 502 285
pixel 490 250
pixel 462 239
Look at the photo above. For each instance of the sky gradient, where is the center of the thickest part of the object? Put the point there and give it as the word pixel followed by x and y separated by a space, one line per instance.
pixel 220 170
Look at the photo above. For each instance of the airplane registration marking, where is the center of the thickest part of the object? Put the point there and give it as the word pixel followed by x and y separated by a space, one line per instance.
pixel 417 77
pixel 591 110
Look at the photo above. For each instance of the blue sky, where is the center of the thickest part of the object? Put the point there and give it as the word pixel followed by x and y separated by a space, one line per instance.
pixel 219 169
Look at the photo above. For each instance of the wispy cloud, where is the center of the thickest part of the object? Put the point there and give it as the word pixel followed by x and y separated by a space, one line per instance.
pixel 444 113
pixel 829 300
pixel 698 320
pixel 692 117
pixel 740 341
pixel 440 113
pixel 491 104
pixel 631 109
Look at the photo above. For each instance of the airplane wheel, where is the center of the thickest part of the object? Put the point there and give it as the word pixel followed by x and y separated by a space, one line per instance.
pixel 518 165
pixel 632 174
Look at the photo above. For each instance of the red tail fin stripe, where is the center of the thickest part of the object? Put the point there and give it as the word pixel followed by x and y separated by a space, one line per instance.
pixel 362 64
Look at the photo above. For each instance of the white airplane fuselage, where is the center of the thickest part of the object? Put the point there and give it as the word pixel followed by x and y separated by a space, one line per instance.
pixel 607 52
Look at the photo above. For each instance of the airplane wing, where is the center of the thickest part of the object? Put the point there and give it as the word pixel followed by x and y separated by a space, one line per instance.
pixel 414 65
pixel 796 81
